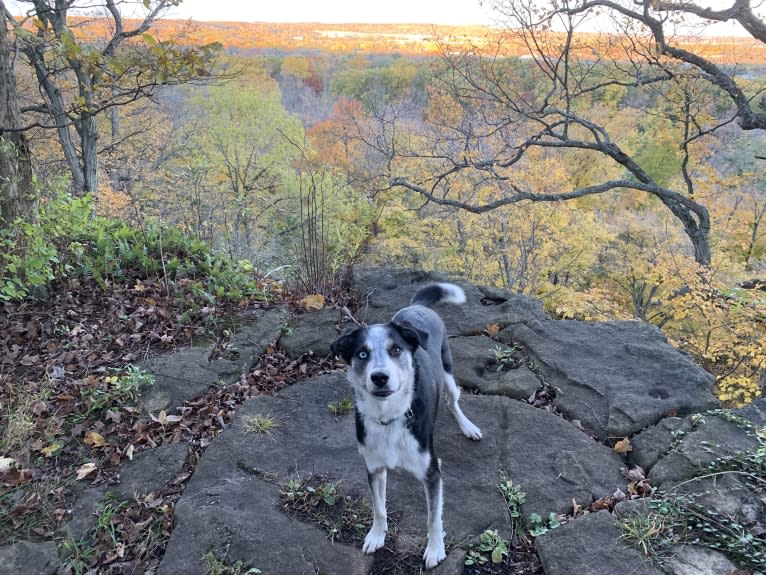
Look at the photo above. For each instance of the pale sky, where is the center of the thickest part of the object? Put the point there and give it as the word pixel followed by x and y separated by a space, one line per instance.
pixel 336 11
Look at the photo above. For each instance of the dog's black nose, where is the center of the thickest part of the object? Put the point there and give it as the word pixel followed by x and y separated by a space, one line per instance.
pixel 379 378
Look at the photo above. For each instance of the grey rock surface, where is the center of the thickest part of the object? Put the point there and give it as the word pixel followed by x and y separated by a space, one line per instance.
pixel 150 470
pixel 29 558
pixel 712 436
pixel 312 332
pixel 476 369
pixel 385 292
pixel 189 372
pixel 590 545
pixel 178 376
pixel 615 377
pixel 651 444
pixel 693 560
pixel 755 412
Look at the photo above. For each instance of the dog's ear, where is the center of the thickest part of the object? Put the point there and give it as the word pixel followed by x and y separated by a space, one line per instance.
pixel 345 344
pixel 413 336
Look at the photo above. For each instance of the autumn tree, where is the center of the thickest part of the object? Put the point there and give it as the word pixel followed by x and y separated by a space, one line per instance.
pixel 554 100
pixel 82 75
pixel 665 25
pixel 237 160
pixel 16 189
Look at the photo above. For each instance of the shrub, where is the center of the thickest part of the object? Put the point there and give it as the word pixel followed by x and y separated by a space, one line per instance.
pixel 68 241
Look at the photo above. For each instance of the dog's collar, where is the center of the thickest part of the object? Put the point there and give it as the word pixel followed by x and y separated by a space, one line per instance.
pixel 406 416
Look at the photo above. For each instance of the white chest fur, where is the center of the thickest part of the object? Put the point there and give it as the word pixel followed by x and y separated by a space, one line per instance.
pixel 392 446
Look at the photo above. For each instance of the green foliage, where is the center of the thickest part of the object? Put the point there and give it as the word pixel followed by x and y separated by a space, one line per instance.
pixel 261 424
pixel 513 495
pixel 82 554
pixel 342 407
pixel 681 519
pixel 115 390
pixel 70 242
pixel 505 358
pixel 320 502
pixel 300 494
pixel 539 526
pixel 492 543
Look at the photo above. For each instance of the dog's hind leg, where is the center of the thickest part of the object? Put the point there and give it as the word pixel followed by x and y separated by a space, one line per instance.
pixel 377 534
pixel 453 395
pixel 432 482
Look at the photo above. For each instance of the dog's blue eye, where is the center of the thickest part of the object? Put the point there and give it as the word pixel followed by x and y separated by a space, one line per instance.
pixel 362 355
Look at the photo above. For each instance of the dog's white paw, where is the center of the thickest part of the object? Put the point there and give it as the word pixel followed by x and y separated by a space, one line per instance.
pixel 470 430
pixel 434 554
pixel 374 540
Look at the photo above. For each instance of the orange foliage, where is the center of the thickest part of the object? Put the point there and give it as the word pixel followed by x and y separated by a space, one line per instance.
pixel 412 39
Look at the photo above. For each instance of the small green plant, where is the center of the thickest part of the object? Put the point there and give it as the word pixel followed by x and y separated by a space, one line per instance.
pixel 538 526
pixel 300 494
pixel 318 501
pixel 673 520
pixel 326 493
pixel 106 522
pixel 505 358
pixel 475 558
pixel 82 554
pixel 342 407
pixel 492 543
pixel 646 532
pixel 513 495
pixel 216 566
pixel 287 329
pixel 115 389
pixel 261 424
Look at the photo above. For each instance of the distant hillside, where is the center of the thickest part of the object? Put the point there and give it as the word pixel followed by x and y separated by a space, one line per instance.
pixel 388 38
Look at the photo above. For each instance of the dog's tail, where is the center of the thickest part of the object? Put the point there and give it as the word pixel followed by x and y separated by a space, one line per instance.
pixel 435 293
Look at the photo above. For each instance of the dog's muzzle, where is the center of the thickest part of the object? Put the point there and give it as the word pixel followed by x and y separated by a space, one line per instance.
pixel 380 380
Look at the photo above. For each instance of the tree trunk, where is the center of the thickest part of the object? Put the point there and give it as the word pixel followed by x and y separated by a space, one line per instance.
pixel 89 140
pixel 57 110
pixel 17 197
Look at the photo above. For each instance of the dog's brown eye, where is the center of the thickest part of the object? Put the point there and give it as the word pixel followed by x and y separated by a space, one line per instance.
pixel 396 350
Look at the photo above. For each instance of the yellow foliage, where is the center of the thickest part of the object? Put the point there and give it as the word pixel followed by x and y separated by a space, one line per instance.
pixel 111 203
pixel 737 390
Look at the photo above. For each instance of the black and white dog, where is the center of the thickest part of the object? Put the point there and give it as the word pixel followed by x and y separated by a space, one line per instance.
pixel 398 371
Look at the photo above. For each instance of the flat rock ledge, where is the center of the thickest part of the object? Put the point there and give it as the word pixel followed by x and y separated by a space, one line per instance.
pixel 612 380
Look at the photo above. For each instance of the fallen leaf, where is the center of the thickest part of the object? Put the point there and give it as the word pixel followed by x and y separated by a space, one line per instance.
pixel 492 329
pixel 633 474
pixel 94 439
pixel 163 418
pixel 152 500
pixel 52 449
pixel 85 470
pixel 129 452
pixel 576 507
pixel 7 464
pixel 313 302
pixel 623 446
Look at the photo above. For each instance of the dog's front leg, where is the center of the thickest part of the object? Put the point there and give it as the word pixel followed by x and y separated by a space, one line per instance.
pixel 377 535
pixel 432 482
